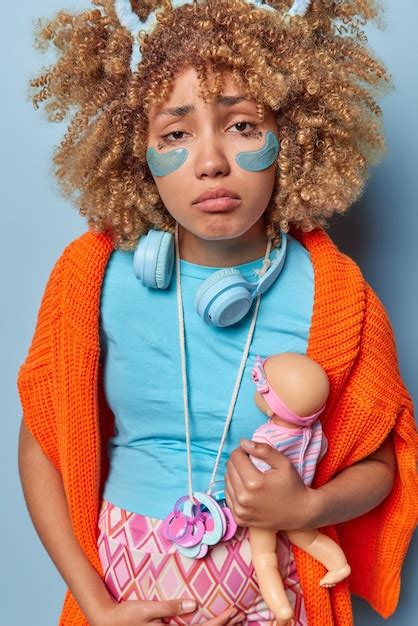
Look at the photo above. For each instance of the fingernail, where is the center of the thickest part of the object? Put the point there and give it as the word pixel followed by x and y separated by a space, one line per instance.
pixel 188 605
pixel 247 444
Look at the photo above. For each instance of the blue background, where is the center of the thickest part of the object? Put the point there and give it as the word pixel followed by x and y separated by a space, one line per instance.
pixel 379 232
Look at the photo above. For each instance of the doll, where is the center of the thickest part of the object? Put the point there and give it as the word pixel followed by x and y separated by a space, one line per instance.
pixel 304 386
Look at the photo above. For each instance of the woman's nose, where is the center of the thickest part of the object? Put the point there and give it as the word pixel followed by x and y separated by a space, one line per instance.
pixel 211 158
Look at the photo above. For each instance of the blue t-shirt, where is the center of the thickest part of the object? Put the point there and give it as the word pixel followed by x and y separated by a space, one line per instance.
pixel 143 381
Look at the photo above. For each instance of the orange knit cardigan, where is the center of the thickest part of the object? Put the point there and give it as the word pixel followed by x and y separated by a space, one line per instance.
pixel 64 406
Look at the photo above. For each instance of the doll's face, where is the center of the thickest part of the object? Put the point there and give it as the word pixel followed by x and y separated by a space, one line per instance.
pixel 195 148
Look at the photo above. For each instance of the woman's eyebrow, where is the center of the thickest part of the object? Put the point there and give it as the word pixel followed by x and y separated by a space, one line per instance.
pixel 185 109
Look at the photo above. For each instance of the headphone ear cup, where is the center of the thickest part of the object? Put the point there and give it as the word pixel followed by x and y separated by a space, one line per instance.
pixel 154 259
pixel 165 261
pixel 224 298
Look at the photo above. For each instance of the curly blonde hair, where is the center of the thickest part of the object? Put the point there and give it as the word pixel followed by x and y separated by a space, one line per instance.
pixel 316 72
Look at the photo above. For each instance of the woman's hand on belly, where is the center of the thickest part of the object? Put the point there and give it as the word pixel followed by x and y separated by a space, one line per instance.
pixel 145 612
pixel 277 499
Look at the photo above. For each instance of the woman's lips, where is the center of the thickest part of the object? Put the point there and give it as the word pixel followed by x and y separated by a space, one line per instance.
pixel 226 203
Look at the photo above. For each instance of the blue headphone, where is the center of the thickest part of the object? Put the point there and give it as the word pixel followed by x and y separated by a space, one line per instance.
pixel 224 298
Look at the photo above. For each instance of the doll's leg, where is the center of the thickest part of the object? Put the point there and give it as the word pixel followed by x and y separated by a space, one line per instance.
pixel 324 550
pixel 263 554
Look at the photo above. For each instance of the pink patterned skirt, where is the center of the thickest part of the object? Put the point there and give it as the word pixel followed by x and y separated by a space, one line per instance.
pixel 140 564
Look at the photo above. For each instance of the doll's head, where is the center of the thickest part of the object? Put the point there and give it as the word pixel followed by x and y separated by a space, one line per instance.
pixel 308 80
pixel 290 383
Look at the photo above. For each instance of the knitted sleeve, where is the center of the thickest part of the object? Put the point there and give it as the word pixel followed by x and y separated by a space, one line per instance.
pixel 376 543
pixel 35 380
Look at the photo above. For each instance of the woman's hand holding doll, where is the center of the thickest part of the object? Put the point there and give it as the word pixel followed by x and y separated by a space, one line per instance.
pixel 278 499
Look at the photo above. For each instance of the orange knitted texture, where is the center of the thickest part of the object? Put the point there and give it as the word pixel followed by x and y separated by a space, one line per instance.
pixel 61 390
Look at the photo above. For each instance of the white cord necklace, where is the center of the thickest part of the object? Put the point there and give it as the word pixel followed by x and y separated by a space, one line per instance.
pixel 189 526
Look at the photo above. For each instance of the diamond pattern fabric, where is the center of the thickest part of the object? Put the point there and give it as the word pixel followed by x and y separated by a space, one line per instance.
pixel 139 563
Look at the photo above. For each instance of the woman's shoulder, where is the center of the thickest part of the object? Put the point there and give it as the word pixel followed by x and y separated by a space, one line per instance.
pixel 333 267
pixel 84 256
pixel 86 244
pixel 77 273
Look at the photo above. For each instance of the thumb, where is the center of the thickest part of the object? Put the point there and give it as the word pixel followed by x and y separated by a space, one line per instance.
pixel 170 608
pixel 263 451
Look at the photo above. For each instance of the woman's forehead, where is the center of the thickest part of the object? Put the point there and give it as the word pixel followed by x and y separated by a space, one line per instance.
pixel 186 93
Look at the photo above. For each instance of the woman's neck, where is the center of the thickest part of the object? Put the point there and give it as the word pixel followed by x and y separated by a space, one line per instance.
pixel 223 252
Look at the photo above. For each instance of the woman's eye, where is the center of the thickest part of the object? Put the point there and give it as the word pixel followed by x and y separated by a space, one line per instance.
pixel 243 124
pixel 175 132
pixel 177 135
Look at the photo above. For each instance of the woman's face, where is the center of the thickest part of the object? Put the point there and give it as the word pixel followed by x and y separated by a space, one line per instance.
pixel 193 148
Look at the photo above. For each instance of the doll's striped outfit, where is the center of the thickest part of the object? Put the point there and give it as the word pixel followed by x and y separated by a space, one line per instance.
pixel 303 445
